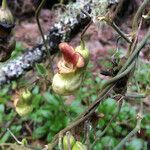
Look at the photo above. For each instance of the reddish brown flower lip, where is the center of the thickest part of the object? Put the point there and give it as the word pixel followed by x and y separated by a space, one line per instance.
pixel 71 56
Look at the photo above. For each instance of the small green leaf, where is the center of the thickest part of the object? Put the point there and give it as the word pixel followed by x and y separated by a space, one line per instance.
pixel 41 69
pixel 51 99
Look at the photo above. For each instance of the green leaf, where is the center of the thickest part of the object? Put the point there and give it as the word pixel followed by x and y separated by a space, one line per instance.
pixel 41 69
pixel 18 49
pixel 1 108
pixel 108 142
pixel 98 146
pixel 108 107
pixel 5 137
pixel 41 131
pixel 51 99
pixel 136 144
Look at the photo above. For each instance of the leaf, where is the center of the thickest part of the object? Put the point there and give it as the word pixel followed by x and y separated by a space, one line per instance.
pixel 108 107
pixel 1 108
pixel 135 144
pixel 41 69
pixel 41 131
pixel 5 137
pixel 108 142
pixel 51 99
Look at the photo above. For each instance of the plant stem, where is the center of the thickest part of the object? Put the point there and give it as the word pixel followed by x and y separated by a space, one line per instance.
pixel 116 28
pixel 85 29
pixel 119 76
pixel 138 15
pixel 136 51
pixel 4 4
pixel 40 29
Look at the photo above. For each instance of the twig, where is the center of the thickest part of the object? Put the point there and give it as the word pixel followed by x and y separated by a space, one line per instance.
pixel 134 95
pixel 114 15
pixel 134 41
pixel 134 131
pixel 68 140
pixel 136 51
pixel 19 142
pixel 115 27
pixel 87 126
pixel 119 76
pixel 13 146
pixel 138 15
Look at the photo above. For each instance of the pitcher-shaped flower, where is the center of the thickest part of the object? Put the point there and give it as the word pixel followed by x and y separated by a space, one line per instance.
pixel 71 68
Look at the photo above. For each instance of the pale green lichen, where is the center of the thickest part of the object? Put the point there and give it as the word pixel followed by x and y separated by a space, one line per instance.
pixel 98 8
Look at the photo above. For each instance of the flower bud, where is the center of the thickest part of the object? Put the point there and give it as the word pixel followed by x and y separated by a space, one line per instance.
pixel 26 95
pixel 79 146
pixel 6 20
pixel 68 139
pixel 24 103
pixel 24 110
pixel 84 52
pixel 7 41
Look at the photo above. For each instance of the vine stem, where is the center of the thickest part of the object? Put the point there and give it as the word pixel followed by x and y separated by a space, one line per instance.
pixel 115 27
pixel 85 29
pixel 119 76
pixel 40 29
pixel 136 51
pixel 134 131
pixel 138 14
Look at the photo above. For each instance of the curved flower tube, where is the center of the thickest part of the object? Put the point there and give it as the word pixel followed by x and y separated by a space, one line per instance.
pixel 71 69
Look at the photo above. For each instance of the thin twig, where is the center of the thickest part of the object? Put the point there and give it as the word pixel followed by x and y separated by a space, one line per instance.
pixel 87 126
pixel 138 15
pixel 117 29
pixel 118 8
pixel 134 95
pixel 119 76
pixel 136 51
pixel 134 41
pixel 40 29
pixel 15 138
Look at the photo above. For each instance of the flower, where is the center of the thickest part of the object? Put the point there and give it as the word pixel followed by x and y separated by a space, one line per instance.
pixel 71 68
